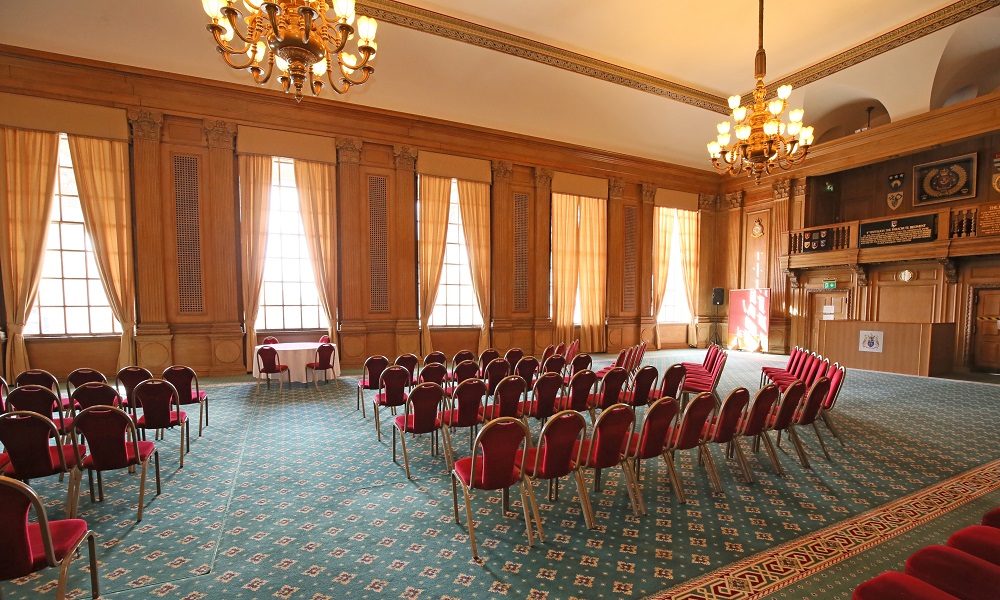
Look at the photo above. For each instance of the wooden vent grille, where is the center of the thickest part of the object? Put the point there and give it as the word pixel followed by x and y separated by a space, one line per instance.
pixel 189 284
pixel 378 243
pixel 520 252
pixel 628 283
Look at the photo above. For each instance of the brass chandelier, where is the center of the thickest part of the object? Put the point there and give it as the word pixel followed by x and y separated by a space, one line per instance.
pixel 299 38
pixel 763 141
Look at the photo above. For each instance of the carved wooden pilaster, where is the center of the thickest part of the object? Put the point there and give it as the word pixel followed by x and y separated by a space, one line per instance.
pixel 616 188
pixel 861 271
pixel 543 179
pixel 354 244
pixel 220 134
pixel 349 150
pixel 793 278
pixel 734 200
pixel 145 125
pixel 542 218
pixel 502 263
pixel 403 205
pixel 708 202
pixel 780 189
pixel 503 171
pixel 950 270
pixel 647 191
pixel 405 158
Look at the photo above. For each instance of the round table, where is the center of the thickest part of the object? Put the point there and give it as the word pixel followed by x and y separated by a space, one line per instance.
pixel 296 355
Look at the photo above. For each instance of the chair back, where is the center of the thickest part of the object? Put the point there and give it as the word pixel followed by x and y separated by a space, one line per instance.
pixel 34 398
pixel 561 349
pixel 324 356
pixel 374 365
pixel 79 377
pixel 270 340
pixel 494 458
pixel 642 384
pixel 580 362
pixel 793 359
pixel 268 360
pixel 580 388
pixel 467 369
pixel 836 376
pixel 554 455
pixel 436 357
pixel 554 364
pixel 4 390
pixel 433 373
pixel 653 435
pixel 804 366
pixel 546 390
pixel 789 402
pixel 673 377
pixel 687 434
pixel 513 355
pixel 526 368
pixel 95 394
pixel 549 351
pixel 508 394
pixel 422 407
pixel 728 418
pixel 812 403
pixel 710 356
pixel 468 399
pixel 324 339
pixel 489 355
pixel 393 383
pixel 107 429
pixel 720 364
pixel 409 362
pixel 37 377
pixel 573 350
pixel 820 371
pixel 496 370
pixel 610 437
pixel 461 356
pixel 756 417
pixel 611 387
pixel 620 359
pixel 129 377
pixel 157 398
pixel 185 380
pixel 25 437
pixel 17 500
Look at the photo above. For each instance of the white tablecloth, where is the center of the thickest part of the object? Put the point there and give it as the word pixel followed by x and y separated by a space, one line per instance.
pixel 296 355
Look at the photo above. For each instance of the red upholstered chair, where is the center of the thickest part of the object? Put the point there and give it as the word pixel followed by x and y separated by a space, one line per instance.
pixel 704 367
pixel 573 350
pixel 269 363
pixel 460 357
pixel 495 371
pixel 955 572
pixel 126 380
pixel 391 392
pixel 79 377
pixel 754 421
pixel 506 397
pixel 410 362
pixel 893 585
pixel 696 384
pixel 324 339
pixel 323 362
pixel 4 390
pixel 25 437
pixel 577 364
pixel 992 518
pixel 185 380
pixel 95 394
pixel 577 395
pixel 485 358
pixel 111 434
pixel 463 412
pixel 161 409
pixel 41 400
pixel 371 376
pixel 686 434
pixel 494 466
pixel 31 547
pixel 805 371
pixel 670 385
pixel 835 374
pixel 433 373
pixel 978 540
pixel 651 440
pixel 553 457
pixel 549 351
pixel 436 357
pixel 424 405
pixel 610 391
pixel 543 398
pixel 723 428
pixel 796 355
pixel 554 364
pixel 806 414
pixel 527 368
pixel 781 416
pixel 464 370
pixel 270 340
pixel 606 448
pixel 44 379
pixel 561 349
pixel 641 386
pixel 619 362
pixel 513 355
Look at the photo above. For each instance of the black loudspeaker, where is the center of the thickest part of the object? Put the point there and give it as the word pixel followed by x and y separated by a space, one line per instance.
pixel 718 296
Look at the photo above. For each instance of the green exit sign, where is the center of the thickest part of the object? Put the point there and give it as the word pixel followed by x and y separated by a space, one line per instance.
pixel 830 285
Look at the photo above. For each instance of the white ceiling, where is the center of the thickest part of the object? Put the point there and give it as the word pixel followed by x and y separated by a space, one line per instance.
pixel 708 46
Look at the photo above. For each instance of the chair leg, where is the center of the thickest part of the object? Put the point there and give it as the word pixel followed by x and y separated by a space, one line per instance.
pixel 201 417
pixel 156 461
pixel 258 383
pixel 713 473
pixel 825 415
pixel 527 515
pixel 100 488
pixel 675 479
pixel 406 457
pixel 142 488
pixel 534 510
pixel 378 427
pixel 449 452
pixel 742 458
pixel 799 448
pixel 90 477
pixel 581 488
pixel 771 452
pixel 95 585
pixel 472 526
pixel 632 487
pixel 634 464
pixel 182 446
pixel 822 444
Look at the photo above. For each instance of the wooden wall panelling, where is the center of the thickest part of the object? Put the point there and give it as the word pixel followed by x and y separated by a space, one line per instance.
pixel 647 312
pixel 616 324
pixel 502 225
pixel 542 259
pixel 712 251
pixel 352 214
pixel 916 301
pixel 973 275
pixel 403 245
pixel 522 321
pixel 734 247
pixel 756 255
pixel 778 281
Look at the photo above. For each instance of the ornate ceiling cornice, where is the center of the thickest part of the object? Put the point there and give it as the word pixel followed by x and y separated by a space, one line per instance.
pixel 434 23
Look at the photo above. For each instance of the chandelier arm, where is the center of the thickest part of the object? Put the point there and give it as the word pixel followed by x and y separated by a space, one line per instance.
pixel 256 71
pixel 273 10
pixel 346 79
pixel 307 14
pixel 366 53
pixel 231 13
pixel 223 45
pixel 228 57
pixel 338 32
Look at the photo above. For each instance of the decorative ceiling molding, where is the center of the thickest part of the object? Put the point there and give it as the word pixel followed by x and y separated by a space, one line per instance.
pixel 438 24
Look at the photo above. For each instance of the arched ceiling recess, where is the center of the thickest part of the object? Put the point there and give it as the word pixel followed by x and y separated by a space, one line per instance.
pixel 970 63
pixel 850 118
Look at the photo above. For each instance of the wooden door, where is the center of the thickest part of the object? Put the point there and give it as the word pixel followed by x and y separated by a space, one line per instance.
pixel 986 341
pixel 825 306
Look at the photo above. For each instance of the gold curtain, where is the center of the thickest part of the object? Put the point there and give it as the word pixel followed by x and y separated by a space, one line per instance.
pixel 663 230
pixel 435 196
pixel 101 168
pixel 27 183
pixel 565 263
pixel 255 198
pixel 316 183
pixel 593 248
pixel 474 204
pixel 688 230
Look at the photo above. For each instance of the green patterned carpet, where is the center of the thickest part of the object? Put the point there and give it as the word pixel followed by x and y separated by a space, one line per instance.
pixel 291 496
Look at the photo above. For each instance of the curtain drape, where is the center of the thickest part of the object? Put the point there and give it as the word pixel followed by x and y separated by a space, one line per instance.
pixel 316 183
pixel 255 198
pixel 663 230
pixel 565 263
pixel 28 160
pixel 593 248
pixel 474 204
pixel 101 168
pixel 435 197
pixel 688 230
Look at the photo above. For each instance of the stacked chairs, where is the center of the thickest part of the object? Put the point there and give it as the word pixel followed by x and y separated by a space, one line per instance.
pixel 809 368
pixel 628 358
pixel 572 350
pixel 794 358
pixel 698 382
pixel 619 362
pixel 835 374
pixel 705 366
pixel 371 377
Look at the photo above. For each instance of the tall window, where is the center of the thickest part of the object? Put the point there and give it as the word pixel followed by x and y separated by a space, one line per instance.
pixel 456 304
pixel 675 305
pixel 71 299
pixel 288 297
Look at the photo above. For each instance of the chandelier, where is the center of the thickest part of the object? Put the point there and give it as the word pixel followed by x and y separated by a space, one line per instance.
pixel 299 38
pixel 763 141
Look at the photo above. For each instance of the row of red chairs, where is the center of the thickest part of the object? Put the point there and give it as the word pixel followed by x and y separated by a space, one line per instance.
pixel 628 358
pixel 967 568
pixel 808 367
pixel 704 377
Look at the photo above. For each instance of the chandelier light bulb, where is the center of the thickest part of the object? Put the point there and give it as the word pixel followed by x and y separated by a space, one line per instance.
pixel 776 106
pixel 366 28
pixel 213 8
pixel 742 132
pixel 734 101
pixel 771 127
pixel 229 34
pixel 281 63
pixel 740 113
pixel 806 136
pixel 796 114
pixel 343 8
pixel 794 128
pixel 724 139
pixel 784 92
pixel 723 127
pixel 252 6
pixel 319 69
pixel 349 61
pixel 256 51
pixel 714 150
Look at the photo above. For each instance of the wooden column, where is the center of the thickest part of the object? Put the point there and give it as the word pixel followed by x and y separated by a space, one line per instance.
pixel 647 312
pixel 711 272
pixel 403 206
pixel 542 259
pixel 352 207
pixel 778 281
pixel 153 339
pixel 618 333
pixel 502 226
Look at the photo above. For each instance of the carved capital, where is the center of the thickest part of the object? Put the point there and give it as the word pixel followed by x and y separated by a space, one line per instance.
pixel 503 171
pixel 793 278
pixel 220 134
pixel 950 269
pixel 543 178
pixel 861 272
pixel 349 150
pixel 781 189
pixel 405 157
pixel 616 188
pixel 799 188
pixel 648 192
pixel 735 199
pixel 708 202
pixel 145 125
